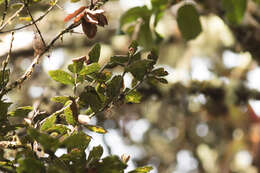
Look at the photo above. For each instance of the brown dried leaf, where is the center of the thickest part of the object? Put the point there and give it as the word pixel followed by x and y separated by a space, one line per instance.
pixel 102 20
pixel 89 29
pixel 91 18
pixel 79 17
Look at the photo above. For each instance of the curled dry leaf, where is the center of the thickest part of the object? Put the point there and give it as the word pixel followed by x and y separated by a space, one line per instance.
pixel 89 20
pixel 80 59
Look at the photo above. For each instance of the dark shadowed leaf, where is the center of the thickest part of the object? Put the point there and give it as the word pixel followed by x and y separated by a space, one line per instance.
pixel 111 164
pixel 139 68
pixel 94 54
pixel 188 21
pixel 30 165
pixel 21 111
pixel 95 154
pixel 79 140
pixel 91 97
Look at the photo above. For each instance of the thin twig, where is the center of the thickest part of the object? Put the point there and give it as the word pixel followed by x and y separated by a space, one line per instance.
pixel 36 60
pixel 5 12
pixel 37 28
pixel 5 63
pixel 31 23
pixel 12 17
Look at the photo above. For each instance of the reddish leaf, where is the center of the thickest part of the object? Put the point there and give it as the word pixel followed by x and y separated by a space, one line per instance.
pixel 74 14
pixel 79 17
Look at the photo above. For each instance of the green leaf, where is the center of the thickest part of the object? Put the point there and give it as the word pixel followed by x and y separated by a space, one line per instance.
pixel 30 165
pixel 188 21
pixel 49 143
pixel 160 72
pixel 162 80
pixel 235 10
pixel 92 68
pixel 133 14
pixel 111 164
pixel 114 86
pixel 60 99
pixel 96 129
pixel 159 4
pixel 133 46
pixel 21 111
pixel 139 68
pixel 119 59
pixel 95 154
pixel 69 114
pixel 59 128
pixel 133 97
pixel 145 36
pixel 74 1
pixel 79 140
pixel 61 77
pixel 48 122
pixel 94 54
pixel 90 97
pixel 76 67
pixel 145 169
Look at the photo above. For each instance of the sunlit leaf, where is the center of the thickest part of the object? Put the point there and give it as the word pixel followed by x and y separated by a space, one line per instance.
pixel 133 97
pixel 69 114
pixel 89 69
pixel 60 99
pixel 48 122
pixel 96 129
pixel 61 77
pixel 145 169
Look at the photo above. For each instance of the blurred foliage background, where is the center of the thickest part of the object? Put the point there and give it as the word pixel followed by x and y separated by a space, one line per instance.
pixel 205 120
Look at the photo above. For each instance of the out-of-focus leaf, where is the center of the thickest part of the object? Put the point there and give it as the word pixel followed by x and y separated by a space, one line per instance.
pixel 30 165
pixel 79 140
pixel 96 129
pixel 145 169
pixel 188 21
pixel 92 68
pixel 48 122
pixel 145 36
pixel 4 79
pixel 133 47
pixel 27 19
pixel 139 68
pixel 235 10
pixel 95 154
pixel 111 164
pixel 159 4
pixel 74 1
pixel 91 97
pixel 21 111
pixel 119 59
pixel 61 77
pixel 94 54
pixel 49 143
pixel 69 114
pixel 133 14
pixel 60 99
pixel 4 109
pixel 133 97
